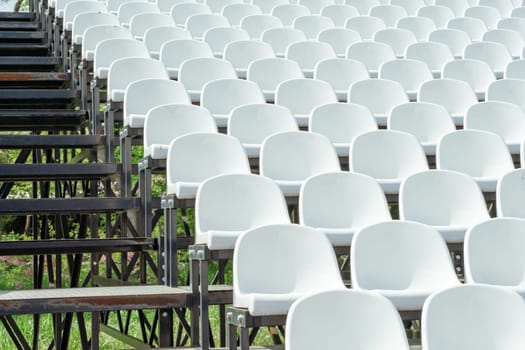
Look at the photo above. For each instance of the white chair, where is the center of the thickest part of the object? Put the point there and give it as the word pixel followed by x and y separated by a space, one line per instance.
pixel 507 90
pixel 60 6
pixel 409 73
pixel 447 200
pixel 308 53
pixel 495 54
pixel 455 39
pixel 338 328
pixel 457 6
pixel 312 25
pixel 455 95
pixel 140 23
pixel 267 6
pixel 94 35
pixel 252 123
pixel 142 95
pixel 515 70
pixel 411 6
pixel 509 194
pixel 440 15
pixel 371 54
pixel 164 123
pixel 315 6
pixel 378 95
pixel 75 8
pixel 339 39
pixel 517 24
pixel 217 6
pixel 420 26
pixel 340 73
pixel 363 6
pixel 301 96
pixel 390 14
pixel 366 26
pixel 268 73
pixel 476 73
pixel 404 261
pixel 256 25
pixel 228 205
pixel 518 12
pixel 287 13
pixel 112 5
pixel 339 13
pixel 512 39
pixel 434 54
pixel 489 15
pixel 504 7
pixel 108 51
pixel 280 38
pixel 127 10
pixel 198 24
pixel 398 39
pixel 428 122
pixel 341 203
pixel 243 52
pixel 196 72
pixel 341 123
pixel 218 38
pixel 84 21
pixel 166 5
pixel 502 118
pixel 474 27
pixel 181 12
pixel 221 96
pixel 289 158
pixel 237 11
pixel 155 37
pixel 452 319
pixel 174 52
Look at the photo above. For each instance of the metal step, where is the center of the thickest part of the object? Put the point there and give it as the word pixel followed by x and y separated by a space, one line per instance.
pixel 50 141
pixel 31 119
pixel 17 16
pixel 19 36
pixel 18 25
pixel 55 206
pixel 22 49
pixel 36 98
pixel 31 80
pixel 57 171
pixel 28 63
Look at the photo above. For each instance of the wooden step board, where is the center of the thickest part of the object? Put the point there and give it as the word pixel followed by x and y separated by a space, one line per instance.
pixel 57 171
pixel 57 206
pixel 50 141
pixel 28 80
pixel 17 16
pixel 23 49
pixel 28 63
pixel 21 36
pixel 34 119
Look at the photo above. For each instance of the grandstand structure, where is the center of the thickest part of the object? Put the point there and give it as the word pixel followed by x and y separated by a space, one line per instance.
pixel 355 167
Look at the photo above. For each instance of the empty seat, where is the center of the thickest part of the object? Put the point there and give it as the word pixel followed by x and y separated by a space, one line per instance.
pixel 495 54
pixel 455 39
pixel 219 37
pixel 112 5
pixel 339 13
pixel 378 95
pixel 411 6
pixel 216 6
pixel 127 10
pixel 434 54
pixel 75 8
pixel 287 13
pixel 301 96
pixel 341 123
pixel 390 14
pixel 447 200
pixel 315 6
pixel 474 27
pixel 509 194
pixel 504 7
pixel 455 95
pixel 243 52
pixel 508 90
pixel 409 73
pixel 363 6
pixel 339 39
pixel 174 52
pixel 440 15
pixel 197 25
pixel 256 25
pixel 420 26
pixel 237 11
pixel 108 51
pixel 166 5
pixel 372 54
pixel 312 25
pixel 280 38
pixel 457 6
pixel 515 70
pixel 181 12
pixel 82 22
pixel 366 26
pixel 140 23
pixel 512 39
pixel 341 203
pixel 428 122
pixel 404 261
pixel 223 95
pixel 398 39
pixel 289 158
pixel 267 6
pixel 518 12
pixel 97 34
pixel 252 123
pixel 155 37
pixel 308 53
pixel 477 74
pixel 340 73
pixel 517 24
pixel 489 15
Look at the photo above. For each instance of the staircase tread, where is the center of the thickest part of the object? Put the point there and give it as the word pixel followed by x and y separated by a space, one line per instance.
pixel 56 171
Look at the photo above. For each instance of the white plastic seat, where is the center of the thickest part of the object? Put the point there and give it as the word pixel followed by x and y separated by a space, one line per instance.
pixel 289 158
pixel 455 39
pixel 339 329
pixel 515 70
pixel 512 39
pixel 339 13
pixel 268 73
pixel 221 96
pixel 420 26
pixel 124 71
pixel 108 51
pixel 518 12
pixel 308 53
pixel 219 37
pixel 243 52
pixel 198 24
pixel 228 205
pixel 312 25
pixel 287 13
pixel 340 73
pixel 489 15
pixel 293 257
pixel 256 25
pixel 378 95
pixel 280 38
pixel 476 73
pixel 440 15
pixel 174 52
pixel 196 157
pixel 404 261
pixel 474 27
pixel 181 12
pixel 113 5
pixel 127 10
pixel 411 6
pixel 371 54
pixel 341 203
pixel 458 7
pixel 517 24
pixel 301 96
pixel 315 6
pixel 83 21
pixel 455 95
pixel 388 156
pixel 166 122
pixel 142 95
pixel 363 6
pixel 447 200
pixel 341 123
pixel 428 122
pixel 216 6
pixel 366 26
pixel 409 73
pixel 502 118
pixel 452 319
pixel 390 14
pixel 237 11
pixel 140 23
pixel 504 7
pixel 60 6
pixel 495 54
pixel 252 123
pixel 509 194
pixel 196 72
pixel 339 39
pixel 94 35
pixel 267 6
pixel 507 90
pixel 434 54
pixel 398 39
pixel 75 8
pixel 155 37
pixel 166 5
